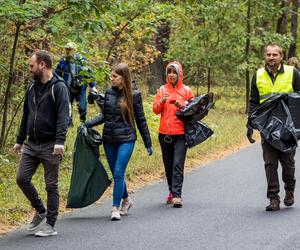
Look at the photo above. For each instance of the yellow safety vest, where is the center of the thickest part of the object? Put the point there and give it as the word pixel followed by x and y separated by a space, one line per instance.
pixel 283 83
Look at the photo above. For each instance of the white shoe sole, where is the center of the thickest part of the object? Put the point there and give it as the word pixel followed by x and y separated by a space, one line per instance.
pixel 115 218
pixel 45 235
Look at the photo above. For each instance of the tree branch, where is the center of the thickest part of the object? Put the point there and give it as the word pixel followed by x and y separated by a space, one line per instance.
pixel 117 36
pixel 50 12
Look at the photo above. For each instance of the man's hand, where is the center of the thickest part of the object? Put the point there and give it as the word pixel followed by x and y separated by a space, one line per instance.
pixel 17 148
pixel 249 135
pixel 58 149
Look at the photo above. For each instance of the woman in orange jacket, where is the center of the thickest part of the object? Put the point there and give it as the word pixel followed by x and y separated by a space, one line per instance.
pixel 169 99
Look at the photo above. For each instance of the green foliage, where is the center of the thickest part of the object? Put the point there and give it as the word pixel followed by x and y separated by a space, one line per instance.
pixel 206 36
pixel 212 34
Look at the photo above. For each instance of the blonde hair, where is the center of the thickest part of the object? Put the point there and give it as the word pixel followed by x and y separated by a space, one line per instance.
pixel 293 61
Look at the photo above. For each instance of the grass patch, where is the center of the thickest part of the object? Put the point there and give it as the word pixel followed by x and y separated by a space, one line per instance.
pixel 226 119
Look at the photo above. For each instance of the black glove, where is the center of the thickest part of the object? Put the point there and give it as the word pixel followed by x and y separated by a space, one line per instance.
pixel 150 151
pixel 90 98
pixel 249 135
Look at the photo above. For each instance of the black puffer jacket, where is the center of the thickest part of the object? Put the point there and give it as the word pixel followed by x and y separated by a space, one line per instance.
pixel 116 130
pixel 46 118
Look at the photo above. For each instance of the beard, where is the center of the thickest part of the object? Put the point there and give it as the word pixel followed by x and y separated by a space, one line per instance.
pixel 37 75
pixel 273 64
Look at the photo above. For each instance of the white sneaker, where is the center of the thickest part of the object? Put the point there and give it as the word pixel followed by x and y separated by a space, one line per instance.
pixel 125 206
pixel 115 214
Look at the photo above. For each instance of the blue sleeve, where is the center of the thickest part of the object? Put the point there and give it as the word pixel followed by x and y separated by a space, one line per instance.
pixel 59 68
pixel 92 84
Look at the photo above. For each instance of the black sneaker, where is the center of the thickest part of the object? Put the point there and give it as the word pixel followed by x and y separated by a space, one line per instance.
pixel 273 206
pixel 37 221
pixel 289 198
pixel 46 230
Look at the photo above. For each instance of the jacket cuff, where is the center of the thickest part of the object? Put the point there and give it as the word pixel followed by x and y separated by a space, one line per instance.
pixel 59 142
pixel 20 141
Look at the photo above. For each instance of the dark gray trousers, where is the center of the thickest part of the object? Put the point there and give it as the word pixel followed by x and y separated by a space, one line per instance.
pixel 173 152
pixel 271 157
pixel 34 154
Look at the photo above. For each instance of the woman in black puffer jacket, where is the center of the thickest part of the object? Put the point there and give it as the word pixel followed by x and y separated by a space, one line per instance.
pixel 123 108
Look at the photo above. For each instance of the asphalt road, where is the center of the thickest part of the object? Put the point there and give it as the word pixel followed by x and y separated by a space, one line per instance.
pixel 224 208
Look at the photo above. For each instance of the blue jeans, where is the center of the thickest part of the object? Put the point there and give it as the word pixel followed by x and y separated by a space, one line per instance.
pixel 118 156
pixel 81 102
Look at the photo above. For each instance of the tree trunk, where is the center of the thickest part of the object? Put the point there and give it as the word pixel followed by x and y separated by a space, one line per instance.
pixel 247 53
pixel 283 19
pixel 209 79
pixel 198 79
pixel 294 27
pixel 9 83
pixel 157 68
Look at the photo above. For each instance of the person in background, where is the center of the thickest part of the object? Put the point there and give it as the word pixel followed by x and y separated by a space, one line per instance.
pixel 169 99
pixel 293 61
pixel 72 67
pixel 41 137
pixel 123 111
pixel 274 78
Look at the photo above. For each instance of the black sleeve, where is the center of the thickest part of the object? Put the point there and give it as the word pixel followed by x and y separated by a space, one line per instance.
pixel 97 120
pixel 140 118
pixel 63 111
pixel 254 96
pixel 21 137
pixel 296 80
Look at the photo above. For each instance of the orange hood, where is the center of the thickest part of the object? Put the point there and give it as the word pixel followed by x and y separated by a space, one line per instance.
pixel 169 123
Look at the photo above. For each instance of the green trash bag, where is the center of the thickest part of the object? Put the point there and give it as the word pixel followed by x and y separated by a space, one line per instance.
pixel 89 179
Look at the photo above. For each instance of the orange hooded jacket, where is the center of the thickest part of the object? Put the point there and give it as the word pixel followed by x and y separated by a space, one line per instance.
pixel 169 123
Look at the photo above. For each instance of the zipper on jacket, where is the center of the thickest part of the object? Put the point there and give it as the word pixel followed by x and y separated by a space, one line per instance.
pixel 36 108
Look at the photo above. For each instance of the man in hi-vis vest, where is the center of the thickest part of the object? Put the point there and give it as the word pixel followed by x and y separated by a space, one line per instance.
pixel 274 78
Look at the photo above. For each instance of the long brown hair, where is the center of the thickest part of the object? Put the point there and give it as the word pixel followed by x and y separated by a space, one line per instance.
pixel 126 99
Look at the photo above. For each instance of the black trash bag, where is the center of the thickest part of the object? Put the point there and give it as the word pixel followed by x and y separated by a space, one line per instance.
pixel 273 120
pixel 294 104
pixel 89 179
pixel 196 133
pixel 197 109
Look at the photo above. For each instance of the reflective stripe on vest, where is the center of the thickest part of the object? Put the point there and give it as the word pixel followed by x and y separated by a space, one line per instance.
pixel 283 83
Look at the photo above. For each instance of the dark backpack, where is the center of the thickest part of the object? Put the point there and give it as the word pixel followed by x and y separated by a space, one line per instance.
pixel 75 86
pixel 76 79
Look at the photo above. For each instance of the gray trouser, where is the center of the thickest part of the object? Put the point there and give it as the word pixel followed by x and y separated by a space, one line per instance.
pixel 34 154
pixel 271 157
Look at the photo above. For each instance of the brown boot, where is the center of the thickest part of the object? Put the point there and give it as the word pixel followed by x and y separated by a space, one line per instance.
pixel 289 198
pixel 274 205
